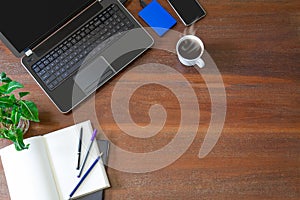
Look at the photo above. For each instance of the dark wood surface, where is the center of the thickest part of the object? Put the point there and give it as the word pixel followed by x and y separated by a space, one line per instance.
pixel 256 46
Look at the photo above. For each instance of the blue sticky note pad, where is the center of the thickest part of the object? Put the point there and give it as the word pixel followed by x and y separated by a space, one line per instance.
pixel 157 18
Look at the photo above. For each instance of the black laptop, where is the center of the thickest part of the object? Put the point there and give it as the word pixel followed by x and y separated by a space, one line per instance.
pixel 71 47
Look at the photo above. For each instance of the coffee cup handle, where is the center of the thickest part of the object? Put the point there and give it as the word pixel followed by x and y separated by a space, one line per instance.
pixel 200 63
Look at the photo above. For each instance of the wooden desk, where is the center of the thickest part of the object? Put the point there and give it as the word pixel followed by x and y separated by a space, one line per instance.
pixel 256 46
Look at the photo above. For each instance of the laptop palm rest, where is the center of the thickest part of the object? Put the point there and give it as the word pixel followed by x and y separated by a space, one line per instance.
pixel 93 74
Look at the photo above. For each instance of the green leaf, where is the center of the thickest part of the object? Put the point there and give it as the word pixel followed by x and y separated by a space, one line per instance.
pixel 5 102
pixel 13 98
pixel 5 116
pixel 23 94
pixel 10 87
pixel 2 75
pixel 3 88
pixel 29 110
pixel 16 136
pixel 18 142
pixel 3 133
pixel 13 85
pixel 15 115
pixel 2 130
pixel 9 134
pixel 4 78
pixel 7 121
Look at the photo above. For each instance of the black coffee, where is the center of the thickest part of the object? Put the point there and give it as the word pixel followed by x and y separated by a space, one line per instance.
pixel 189 49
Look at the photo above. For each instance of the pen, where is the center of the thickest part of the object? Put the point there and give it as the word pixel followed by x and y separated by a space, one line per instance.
pixel 79 148
pixel 85 175
pixel 87 153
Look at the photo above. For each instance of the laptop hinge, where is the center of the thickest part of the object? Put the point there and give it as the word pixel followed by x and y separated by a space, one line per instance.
pixel 28 52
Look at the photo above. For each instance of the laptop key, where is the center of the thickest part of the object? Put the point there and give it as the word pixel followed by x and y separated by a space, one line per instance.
pixel 36 68
pixel 41 73
pixel 50 79
pixel 73 68
pixel 59 79
pixel 65 75
pixel 50 86
pixel 45 76
pixel 55 83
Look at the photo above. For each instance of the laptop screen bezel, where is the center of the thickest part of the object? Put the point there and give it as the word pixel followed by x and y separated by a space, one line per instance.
pixel 19 54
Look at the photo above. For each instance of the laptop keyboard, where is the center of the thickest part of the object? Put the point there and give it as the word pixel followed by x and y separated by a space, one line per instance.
pixel 66 59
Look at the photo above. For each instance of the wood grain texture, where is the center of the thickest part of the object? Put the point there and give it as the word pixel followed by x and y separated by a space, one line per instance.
pixel 256 46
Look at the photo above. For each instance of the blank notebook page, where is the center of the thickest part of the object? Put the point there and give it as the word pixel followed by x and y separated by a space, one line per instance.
pixel 28 172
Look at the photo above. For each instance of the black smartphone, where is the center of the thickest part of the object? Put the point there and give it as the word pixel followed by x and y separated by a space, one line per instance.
pixel 189 11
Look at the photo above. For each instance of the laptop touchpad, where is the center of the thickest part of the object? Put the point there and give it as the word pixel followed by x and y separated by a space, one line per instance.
pixel 93 75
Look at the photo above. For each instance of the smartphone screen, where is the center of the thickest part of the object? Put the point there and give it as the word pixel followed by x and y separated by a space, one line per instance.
pixel 189 11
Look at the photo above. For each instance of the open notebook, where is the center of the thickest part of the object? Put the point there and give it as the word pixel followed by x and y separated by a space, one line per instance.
pixel 47 170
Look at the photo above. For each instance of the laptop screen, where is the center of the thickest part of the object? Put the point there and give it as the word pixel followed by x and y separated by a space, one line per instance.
pixel 25 23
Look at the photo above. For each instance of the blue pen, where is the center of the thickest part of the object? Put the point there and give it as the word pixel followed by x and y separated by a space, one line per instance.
pixel 85 175
pixel 87 153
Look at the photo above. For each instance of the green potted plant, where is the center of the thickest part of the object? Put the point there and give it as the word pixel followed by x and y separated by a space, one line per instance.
pixel 15 112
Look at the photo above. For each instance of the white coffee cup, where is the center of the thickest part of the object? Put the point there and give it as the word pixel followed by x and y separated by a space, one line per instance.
pixel 189 50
